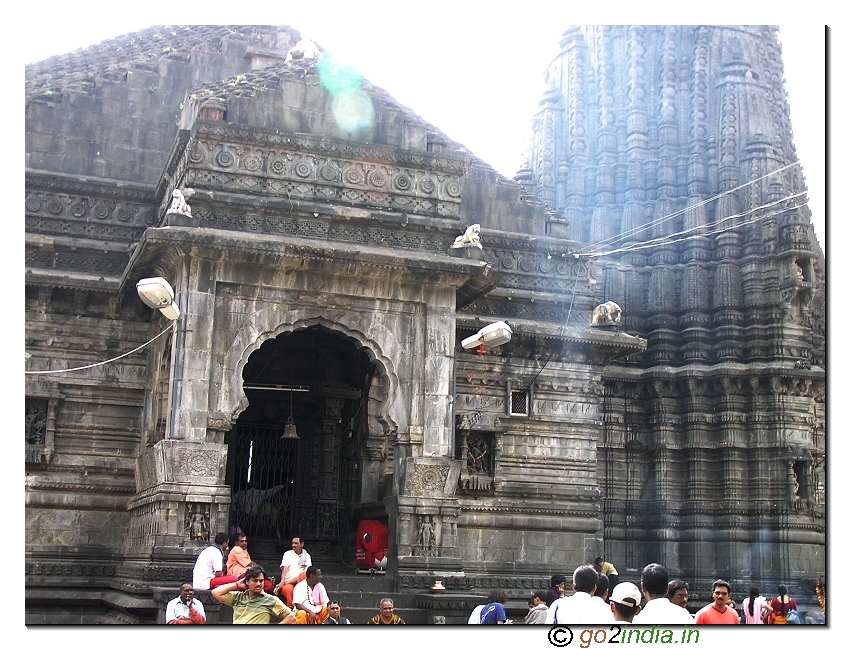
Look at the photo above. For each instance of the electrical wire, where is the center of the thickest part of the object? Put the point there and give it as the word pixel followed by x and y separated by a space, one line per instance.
pixel 623 235
pixel 560 335
pixel 668 239
pixel 173 325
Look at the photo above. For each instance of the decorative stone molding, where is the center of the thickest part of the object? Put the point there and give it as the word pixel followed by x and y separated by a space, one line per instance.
pixel 173 460
pixel 306 167
pixel 85 208
pixel 69 569
pixel 318 145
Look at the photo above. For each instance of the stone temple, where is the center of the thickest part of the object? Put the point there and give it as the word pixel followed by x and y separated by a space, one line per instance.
pixel 306 222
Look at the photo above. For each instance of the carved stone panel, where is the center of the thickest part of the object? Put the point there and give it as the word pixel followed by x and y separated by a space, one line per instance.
pixel 431 476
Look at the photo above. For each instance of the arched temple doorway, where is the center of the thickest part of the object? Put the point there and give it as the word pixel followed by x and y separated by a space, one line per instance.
pixel 283 487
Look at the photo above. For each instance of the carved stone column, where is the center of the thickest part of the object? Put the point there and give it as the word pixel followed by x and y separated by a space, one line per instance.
pixel 423 518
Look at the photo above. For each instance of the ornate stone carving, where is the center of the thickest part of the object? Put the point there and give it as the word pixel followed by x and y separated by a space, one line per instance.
pixel 197 521
pixel 427 537
pixel 39 429
pixel 70 212
pixel 606 314
pixel 469 239
pixel 318 169
pixel 198 463
pixel 429 478
pixel 435 477
pixel 178 202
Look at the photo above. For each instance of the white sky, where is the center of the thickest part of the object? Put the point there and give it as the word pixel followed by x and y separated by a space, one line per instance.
pixel 473 69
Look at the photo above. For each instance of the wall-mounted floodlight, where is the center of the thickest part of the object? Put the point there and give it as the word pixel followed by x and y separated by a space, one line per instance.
pixel 492 335
pixel 158 294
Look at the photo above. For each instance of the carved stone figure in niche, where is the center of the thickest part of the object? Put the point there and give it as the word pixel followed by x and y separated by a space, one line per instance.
pixel 469 239
pixel 35 424
pixel 327 521
pixel 607 313
pixel 793 485
pixel 798 270
pixel 198 522
pixel 427 538
pixel 477 450
pixel 178 201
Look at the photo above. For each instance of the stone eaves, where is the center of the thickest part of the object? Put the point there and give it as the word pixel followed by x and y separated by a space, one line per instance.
pixel 156 241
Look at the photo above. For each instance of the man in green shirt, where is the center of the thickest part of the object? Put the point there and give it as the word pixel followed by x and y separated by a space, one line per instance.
pixel 251 605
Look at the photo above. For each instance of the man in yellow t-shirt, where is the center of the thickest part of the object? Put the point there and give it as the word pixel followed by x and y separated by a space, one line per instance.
pixel 250 604
pixel 607 569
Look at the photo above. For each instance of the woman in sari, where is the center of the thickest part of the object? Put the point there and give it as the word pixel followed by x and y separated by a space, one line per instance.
pixel 779 607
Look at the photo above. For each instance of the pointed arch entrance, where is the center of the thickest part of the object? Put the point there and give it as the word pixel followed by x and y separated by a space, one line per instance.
pixel 306 486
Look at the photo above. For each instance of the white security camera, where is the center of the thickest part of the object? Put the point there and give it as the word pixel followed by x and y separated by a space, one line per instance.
pixel 492 335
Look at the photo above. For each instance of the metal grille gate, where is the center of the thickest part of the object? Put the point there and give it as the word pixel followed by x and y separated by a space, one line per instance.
pixel 264 466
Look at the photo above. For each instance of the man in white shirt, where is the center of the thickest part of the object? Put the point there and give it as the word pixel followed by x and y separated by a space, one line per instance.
pixel 185 609
pixel 311 598
pixel 293 568
pixel 209 564
pixel 658 609
pixel 579 608
pixel 600 597
pixel 475 616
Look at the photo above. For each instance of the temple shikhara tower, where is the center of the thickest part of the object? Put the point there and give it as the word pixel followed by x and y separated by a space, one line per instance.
pixel 660 397
pixel 669 151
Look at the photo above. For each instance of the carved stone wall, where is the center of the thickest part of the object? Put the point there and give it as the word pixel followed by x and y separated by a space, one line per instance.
pixel 297 223
pixel 650 131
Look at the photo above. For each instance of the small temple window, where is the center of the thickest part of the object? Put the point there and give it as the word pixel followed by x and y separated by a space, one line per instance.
pixel 520 402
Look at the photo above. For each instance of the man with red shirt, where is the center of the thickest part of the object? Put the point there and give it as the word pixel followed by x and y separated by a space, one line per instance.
pixel 718 612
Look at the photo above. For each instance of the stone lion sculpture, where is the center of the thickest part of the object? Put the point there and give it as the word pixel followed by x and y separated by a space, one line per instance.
pixel 606 314
pixel 469 239
pixel 178 202
pixel 305 49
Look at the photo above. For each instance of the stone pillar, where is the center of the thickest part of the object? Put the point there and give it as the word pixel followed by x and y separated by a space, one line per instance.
pixel 335 395
pixel 423 518
pixel 181 498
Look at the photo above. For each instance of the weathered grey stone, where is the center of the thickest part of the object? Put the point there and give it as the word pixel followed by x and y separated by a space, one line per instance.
pixel 317 260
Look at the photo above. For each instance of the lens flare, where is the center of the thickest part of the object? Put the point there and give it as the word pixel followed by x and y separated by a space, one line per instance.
pixel 338 78
pixel 353 112
pixel 352 108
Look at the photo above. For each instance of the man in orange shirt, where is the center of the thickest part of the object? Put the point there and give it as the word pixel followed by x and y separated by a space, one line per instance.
pixel 238 562
pixel 719 611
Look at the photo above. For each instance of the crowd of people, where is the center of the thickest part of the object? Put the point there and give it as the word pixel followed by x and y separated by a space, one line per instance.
pixel 243 585
pixel 598 596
